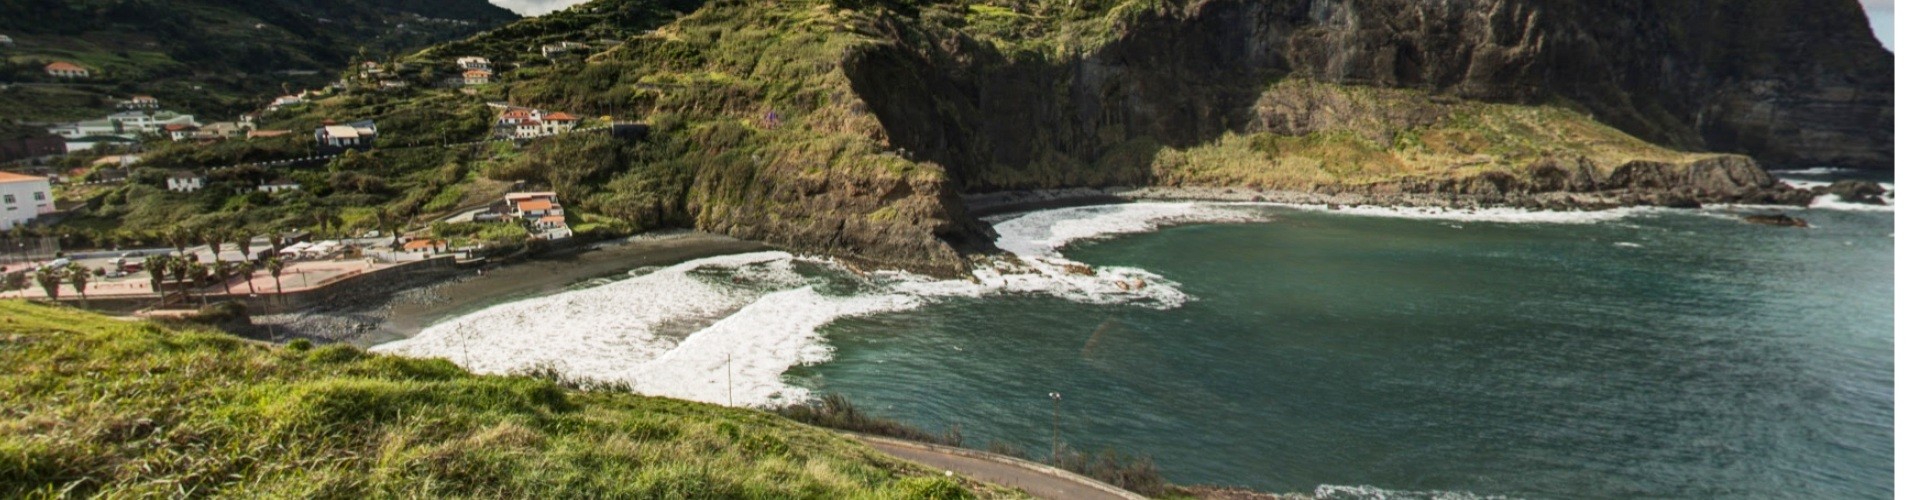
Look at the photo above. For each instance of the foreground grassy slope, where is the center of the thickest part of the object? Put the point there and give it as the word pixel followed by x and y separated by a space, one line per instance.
pixel 99 406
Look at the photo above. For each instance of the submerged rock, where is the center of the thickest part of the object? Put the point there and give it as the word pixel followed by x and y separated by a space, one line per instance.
pixel 1781 220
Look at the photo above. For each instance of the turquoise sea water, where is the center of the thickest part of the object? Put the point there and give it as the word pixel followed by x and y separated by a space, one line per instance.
pixel 1665 354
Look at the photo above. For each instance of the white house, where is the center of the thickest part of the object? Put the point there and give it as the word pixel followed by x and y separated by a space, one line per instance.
pixel 181 181
pixel 63 69
pixel 88 143
pixel 6 41
pixel 180 131
pixel 552 50
pixel 534 206
pixel 23 198
pixel 127 124
pixel 356 135
pixel 278 185
pixel 286 100
pixel 528 123
pixel 473 62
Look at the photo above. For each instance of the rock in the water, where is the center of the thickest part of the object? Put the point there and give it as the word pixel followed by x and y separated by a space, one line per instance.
pixel 1856 191
pixel 1782 220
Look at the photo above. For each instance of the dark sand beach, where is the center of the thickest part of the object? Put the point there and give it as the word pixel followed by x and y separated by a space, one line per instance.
pixel 407 307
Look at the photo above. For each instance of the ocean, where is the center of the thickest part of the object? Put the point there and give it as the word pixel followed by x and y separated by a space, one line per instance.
pixel 1358 353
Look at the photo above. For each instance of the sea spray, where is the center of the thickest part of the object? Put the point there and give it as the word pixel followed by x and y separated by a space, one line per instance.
pixel 749 318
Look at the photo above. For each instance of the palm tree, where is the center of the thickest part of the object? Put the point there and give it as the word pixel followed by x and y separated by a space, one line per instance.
pixel 179 267
pixel 157 272
pixel 49 281
pixel 200 274
pixel 246 268
pixel 244 241
pixel 78 275
pixel 179 237
pixel 221 272
pixel 274 267
pixel 213 237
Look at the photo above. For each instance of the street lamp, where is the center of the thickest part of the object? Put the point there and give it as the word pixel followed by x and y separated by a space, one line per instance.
pixel 1055 396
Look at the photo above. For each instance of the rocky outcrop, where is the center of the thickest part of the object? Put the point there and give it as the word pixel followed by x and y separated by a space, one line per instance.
pixel 1781 220
pixel 1787 82
pixel 1856 191
pixel 1726 179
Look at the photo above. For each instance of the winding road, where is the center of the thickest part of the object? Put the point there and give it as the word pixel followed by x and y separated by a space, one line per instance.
pixel 1038 480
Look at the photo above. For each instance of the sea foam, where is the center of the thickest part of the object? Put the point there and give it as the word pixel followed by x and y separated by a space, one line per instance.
pixel 726 329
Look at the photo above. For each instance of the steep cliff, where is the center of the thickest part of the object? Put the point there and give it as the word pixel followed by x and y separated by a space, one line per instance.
pixel 851 129
pixel 1791 83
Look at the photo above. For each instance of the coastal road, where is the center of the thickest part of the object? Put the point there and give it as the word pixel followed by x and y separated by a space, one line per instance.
pixel 1035 479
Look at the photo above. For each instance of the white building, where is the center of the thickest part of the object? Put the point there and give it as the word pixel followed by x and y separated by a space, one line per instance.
pixel 356 135
pixel 552 50
pixel 23 198
pixel 528 123
pixel 286 100
pixel 6 41
pixel 534 206
pixel 128 124
pixel 182 181
pixel 472 62
pixel 278 185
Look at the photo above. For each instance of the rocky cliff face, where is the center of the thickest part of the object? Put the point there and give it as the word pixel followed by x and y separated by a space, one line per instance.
pixel 1789 82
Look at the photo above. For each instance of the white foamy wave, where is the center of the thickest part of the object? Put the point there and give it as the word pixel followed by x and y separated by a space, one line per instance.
pixel 1815 171
pixel 1043 233
pixel 1333 492
pixel 1495 214
pixel 1627 244
pixel 749 318
pixel 1805 183
pixel 1833 202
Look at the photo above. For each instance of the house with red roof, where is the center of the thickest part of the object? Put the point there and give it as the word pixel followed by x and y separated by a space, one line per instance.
pixel 64 69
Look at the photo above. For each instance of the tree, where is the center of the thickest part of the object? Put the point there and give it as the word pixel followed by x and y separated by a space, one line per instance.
pixel 157 272
pixel 16 280
pixel 274 267
pixel 179 268
pixel 78 276
pixel 246 268
pixel 222 273
pixel 244 241
pixel 49 280
pixel 200 274
pixel 180 237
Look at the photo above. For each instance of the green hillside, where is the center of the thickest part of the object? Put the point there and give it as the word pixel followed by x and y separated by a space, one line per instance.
pixel 214 58
pixel 851 129
pixel 98 406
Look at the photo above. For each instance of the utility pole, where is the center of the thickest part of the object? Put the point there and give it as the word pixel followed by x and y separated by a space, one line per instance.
pixel 1056 426
pixel 729 378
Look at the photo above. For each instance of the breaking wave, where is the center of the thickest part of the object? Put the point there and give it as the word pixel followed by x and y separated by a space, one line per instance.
pixel 726 329
pixel 1495 214
pixel 1334 492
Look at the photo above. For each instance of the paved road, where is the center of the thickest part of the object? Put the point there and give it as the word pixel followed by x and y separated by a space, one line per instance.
pixel 1037 480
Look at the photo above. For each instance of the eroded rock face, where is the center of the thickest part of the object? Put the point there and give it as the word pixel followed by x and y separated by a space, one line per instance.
pixel 1787 82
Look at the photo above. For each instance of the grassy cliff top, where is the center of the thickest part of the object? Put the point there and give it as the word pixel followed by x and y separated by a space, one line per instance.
pixel 100 406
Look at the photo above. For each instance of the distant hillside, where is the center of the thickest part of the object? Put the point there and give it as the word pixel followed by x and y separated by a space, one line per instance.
pixel 209 57
pixel 98 406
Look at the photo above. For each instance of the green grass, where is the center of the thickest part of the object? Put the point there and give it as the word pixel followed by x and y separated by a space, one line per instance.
pixel 98 406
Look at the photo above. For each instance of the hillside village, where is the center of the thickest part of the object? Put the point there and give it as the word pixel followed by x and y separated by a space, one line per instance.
pixel 291 150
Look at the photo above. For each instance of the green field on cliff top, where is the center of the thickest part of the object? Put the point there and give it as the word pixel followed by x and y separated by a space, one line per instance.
pixel 98 406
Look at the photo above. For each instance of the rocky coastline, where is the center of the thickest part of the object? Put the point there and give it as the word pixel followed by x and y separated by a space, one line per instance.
pixel 1558 186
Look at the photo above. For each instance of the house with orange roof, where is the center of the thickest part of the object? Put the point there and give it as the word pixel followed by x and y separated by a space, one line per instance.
pixel 23 198
pixel 64 69
pixel 140 102
pixel 477 77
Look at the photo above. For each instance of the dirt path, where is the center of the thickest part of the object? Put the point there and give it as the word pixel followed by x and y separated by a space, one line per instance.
pixel 1035 479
